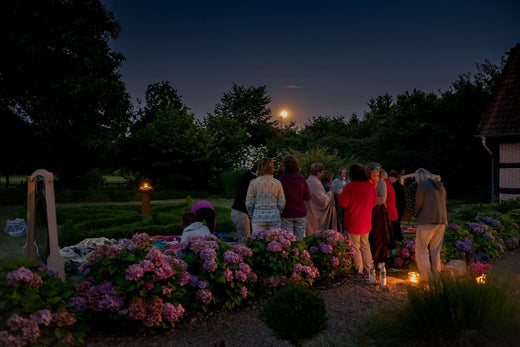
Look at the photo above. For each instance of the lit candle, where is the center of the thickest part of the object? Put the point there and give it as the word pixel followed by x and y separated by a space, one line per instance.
pixel 481 279
pixel 413 277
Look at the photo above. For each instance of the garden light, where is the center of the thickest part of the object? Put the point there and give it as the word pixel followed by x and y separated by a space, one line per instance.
pixel 413 277
pixel 481 279
pixel 146 188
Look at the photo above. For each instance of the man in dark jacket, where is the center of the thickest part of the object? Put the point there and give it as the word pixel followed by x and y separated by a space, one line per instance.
pixel 400 203
pixel 239 215
pixel 430 205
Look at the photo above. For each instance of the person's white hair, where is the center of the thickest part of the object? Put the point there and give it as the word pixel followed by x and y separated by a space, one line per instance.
pixel 421 175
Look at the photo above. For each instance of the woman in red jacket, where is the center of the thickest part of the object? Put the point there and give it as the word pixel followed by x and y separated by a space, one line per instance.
pixel 358 199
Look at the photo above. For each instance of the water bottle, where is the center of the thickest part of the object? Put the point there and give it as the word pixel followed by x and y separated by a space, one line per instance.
pixel 372 273
pixel 382 274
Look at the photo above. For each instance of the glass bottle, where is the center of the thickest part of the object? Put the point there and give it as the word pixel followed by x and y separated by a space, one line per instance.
pixel 372 273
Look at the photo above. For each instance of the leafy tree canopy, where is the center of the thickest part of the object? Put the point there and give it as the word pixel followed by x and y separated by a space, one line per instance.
pixel 250 108
pixel 58 74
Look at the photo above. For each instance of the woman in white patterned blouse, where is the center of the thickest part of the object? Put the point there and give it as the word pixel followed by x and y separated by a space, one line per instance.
pixel 265 199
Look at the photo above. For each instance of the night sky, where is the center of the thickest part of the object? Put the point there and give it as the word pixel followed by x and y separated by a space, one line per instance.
pixel 325 58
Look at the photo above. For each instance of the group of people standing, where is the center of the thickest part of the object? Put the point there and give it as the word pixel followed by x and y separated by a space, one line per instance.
pixel 367 207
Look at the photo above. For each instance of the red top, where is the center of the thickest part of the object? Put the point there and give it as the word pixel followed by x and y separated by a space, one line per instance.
pixel 390 201
pixel 358 198
pixel 296 193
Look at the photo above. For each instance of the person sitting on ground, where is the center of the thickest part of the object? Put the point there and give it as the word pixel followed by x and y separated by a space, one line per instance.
pixel 205 213
pixel 192 226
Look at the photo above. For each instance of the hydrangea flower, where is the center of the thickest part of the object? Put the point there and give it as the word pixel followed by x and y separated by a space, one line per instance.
pixel 205 296
pixel 231 257
pixel 172 313
pixel 464 246
pixel 210 265
pixel 134 272
pixel 453 226
pixel 208 254
pixel 274 246
pixel 512 242
pixel 325 248
pixel 334 261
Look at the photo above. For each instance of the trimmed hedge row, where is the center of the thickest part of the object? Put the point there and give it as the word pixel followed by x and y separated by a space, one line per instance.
pixel 79 223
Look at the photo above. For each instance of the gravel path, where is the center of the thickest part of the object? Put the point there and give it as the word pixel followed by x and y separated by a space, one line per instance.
pixel 346 302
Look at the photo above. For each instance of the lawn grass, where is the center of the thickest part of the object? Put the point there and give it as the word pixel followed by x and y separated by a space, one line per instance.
pixel 114 178
pixel 10 247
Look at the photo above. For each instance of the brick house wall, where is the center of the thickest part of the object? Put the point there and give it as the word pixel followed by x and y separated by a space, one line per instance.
pixel 509 175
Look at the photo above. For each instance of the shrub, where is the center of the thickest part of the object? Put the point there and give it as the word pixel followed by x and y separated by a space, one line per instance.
pixel 331 253
pixel 332 161
pixel 279 259
pixel 132 282
pixel 35 307
pixel 405 254
pixel 450 312
pixel 457 243
pixel 116 221
pixel 295 313
pixel 230 181
pixel 220 274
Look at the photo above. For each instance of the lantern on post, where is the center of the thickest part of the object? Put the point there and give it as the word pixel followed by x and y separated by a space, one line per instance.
pixel 146 189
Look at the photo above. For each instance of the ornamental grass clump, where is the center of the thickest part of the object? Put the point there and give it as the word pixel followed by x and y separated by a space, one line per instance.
pixel 132 284
pixel 295 313
pixel 220 275
pixel 450 312
pixel 331 253
pixel 279 259
pixel 34 308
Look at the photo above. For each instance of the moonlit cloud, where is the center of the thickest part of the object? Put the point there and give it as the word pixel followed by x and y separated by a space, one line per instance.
pixel 292 86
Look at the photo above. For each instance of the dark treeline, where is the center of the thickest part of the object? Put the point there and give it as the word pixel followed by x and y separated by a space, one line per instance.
pixel 65 108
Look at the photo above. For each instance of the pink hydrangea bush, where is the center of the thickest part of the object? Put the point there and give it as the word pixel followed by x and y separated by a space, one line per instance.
pixel 479 269
pixel 220 273
pixel 34 307
pixel 405 254
pixel 279 259
pixel 131 281
pixel 331 253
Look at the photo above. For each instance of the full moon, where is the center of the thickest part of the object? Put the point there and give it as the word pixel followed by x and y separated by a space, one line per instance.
pixel 283 114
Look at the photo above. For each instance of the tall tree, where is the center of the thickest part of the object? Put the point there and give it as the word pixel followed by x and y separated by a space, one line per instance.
pixel 158 96
pixel 58 75
pixel 172 149
pixel 250 108
pixel 165 143
pixel 328 132
pixel 226 139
